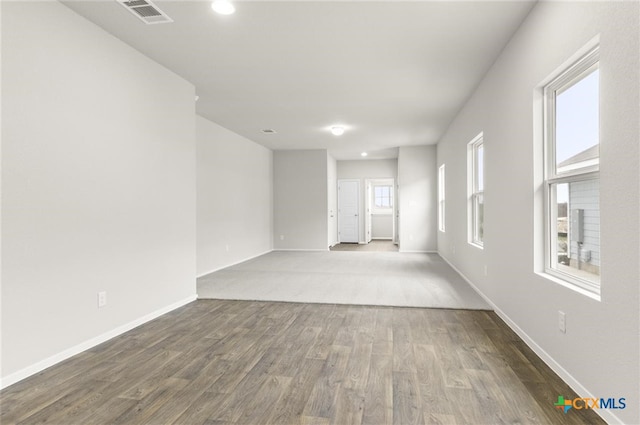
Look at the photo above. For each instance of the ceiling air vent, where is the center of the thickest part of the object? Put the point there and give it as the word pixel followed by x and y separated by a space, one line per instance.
pixel 146 11
pixel 269 131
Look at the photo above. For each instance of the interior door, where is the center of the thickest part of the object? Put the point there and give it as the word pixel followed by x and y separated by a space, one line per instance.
pixel 348 210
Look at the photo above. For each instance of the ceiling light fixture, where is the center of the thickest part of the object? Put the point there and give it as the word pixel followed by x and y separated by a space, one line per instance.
pixel 364 154
pixel 337 131
pixel 223 7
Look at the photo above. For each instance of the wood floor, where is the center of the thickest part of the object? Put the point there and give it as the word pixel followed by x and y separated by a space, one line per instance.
pixel 240 362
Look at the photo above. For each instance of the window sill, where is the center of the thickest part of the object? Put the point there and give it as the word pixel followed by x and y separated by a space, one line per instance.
pixel 477 245
pixel 576 287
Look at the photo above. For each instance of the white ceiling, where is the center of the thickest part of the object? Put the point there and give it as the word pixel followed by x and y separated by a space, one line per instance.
pixel 394 73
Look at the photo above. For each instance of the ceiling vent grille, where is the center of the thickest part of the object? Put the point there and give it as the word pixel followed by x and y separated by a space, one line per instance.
pixel 146 11
pixel 269 131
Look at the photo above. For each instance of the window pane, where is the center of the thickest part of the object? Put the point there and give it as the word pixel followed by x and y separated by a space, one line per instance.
pixel 480 168
pixel 478 233
pixel 577 125
pixel 576 229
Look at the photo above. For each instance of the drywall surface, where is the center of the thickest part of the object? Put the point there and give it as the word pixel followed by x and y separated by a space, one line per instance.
pixel 235 197
pixel 363 170
pixel 598 355
pixel 300 199
pixel 418 184
pixel 332 200
pixel 98 184
pixel 382 226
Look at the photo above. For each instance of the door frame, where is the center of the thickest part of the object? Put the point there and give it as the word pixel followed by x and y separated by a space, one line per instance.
pixel 369 200
pixel 357 181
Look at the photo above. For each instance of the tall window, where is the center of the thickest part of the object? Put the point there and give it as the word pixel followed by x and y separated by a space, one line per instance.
pixel 441 204
pixel 383 197
pixel 476 190
pixel 572 159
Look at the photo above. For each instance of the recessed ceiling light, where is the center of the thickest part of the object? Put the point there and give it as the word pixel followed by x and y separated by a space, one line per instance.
pixel 223 7
pixel 337 131
pixel 364 154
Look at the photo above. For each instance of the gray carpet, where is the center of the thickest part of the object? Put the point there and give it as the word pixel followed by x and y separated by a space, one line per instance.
pixel 361 278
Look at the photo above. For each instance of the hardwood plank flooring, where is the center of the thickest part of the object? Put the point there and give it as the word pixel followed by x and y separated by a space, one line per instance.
pixel 244 362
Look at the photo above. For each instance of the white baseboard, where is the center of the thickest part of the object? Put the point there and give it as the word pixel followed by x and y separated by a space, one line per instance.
pixel 301 250
pixel 410 251
pixel 235 263
pixel 70 352
pixel 607 415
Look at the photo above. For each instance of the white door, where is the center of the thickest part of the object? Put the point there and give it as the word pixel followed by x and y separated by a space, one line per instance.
pixel 368 206
pixel 348 210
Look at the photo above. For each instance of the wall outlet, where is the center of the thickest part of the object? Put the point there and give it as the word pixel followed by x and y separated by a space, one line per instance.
pixel 281 237
pixel 227 247
pixel 102 299
pixel 453 249
pixel 562 321
pixel 486 271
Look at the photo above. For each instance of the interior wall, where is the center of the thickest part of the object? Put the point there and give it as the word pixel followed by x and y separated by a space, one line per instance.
pixel 598 355
pixel 235 198
pixel 98 186
pixel 367 169
pixel 300 200
pixel 418 184
pixel 332 200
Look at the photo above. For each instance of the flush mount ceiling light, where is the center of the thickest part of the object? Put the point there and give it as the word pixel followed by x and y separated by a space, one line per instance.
pixel 337 130
pixel 364 154
pixel 223 7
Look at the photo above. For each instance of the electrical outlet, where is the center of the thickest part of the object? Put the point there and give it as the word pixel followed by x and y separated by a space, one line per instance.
pixel 486 272
pixel 102 299
pixel 281 237
pixel 453 249
pixel 562 321
pixel 227 247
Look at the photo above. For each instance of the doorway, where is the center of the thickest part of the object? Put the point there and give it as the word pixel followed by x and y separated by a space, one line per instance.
pixel 381 210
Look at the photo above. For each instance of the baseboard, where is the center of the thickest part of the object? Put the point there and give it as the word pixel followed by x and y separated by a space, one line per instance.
pixel 70 352
pixel 233 264
pixel 411 251
pixel 575 385
pixel 301 250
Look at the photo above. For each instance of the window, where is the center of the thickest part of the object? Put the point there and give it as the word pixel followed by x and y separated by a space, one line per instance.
pixel 571 175
pixel 441 204
pixel 383 197
pixel 476 191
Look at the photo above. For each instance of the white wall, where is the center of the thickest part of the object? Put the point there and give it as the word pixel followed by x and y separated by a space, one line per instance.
pixel 235 198
pixel 367 169
pixel 418 185
pixel 382 226
pixel 300 199
pixel 98 186
pixel 598 355
pixel 332 200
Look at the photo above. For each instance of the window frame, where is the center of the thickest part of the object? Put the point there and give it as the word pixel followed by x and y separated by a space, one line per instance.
pixel 575 72
pixel 382 210
pixel 474 192
pixel 441 198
